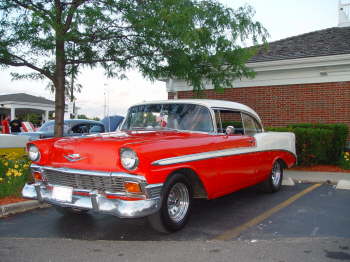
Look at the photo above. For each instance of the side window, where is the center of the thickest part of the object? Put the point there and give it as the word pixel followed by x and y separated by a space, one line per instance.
pixel 96 129
pixel 251 127
pixel 225 118
pixel 81 129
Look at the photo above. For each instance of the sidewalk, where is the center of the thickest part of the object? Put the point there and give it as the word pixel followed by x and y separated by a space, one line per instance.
pixel 317 177
pixel 290 177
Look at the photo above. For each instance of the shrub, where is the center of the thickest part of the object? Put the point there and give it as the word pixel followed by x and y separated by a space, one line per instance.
pixel 279 129
pixel 317 143
pixel 340 134
pixel 14 172
pixel 312 145
pixel 344 161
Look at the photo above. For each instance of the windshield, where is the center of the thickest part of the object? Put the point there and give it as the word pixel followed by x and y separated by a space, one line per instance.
pixel 49 127
pixel 169 116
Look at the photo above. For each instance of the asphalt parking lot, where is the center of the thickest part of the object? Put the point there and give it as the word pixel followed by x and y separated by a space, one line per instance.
pixel 303 211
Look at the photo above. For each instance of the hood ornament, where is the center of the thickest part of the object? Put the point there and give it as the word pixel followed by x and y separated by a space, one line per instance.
pixel 74 157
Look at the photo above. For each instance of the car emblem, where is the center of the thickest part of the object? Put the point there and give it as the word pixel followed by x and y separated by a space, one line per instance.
pixel 73 157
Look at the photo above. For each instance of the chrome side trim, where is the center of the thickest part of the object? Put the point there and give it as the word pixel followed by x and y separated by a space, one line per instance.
pixel 212 154
pixel 202 156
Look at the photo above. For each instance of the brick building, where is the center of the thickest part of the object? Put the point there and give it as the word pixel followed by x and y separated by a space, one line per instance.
pixel 300 79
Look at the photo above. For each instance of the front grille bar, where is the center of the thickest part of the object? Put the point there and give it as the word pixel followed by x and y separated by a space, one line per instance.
pixel 84 181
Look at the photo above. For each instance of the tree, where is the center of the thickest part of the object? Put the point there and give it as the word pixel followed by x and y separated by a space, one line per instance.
pixel 187 39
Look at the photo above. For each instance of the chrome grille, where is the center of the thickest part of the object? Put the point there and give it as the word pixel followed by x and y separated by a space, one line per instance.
pixel 82 181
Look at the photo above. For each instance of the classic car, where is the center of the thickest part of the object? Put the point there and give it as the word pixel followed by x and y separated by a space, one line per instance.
pixel 72 127
pixel 165 154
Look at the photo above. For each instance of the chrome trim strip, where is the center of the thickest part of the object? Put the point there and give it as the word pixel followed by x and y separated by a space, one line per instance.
pixel 128 176
pixel 202 156
pixel 212 154
pixel 151 186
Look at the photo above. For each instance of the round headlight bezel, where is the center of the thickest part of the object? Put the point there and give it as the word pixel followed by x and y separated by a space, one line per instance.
pixel 34 153
pixel 128 158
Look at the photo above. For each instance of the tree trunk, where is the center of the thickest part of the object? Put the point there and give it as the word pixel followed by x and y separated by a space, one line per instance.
pixel 59 88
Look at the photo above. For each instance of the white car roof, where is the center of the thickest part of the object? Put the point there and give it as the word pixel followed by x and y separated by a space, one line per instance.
pixel 208 103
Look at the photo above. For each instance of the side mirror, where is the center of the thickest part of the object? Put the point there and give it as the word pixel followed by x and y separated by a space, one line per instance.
pixel 230 130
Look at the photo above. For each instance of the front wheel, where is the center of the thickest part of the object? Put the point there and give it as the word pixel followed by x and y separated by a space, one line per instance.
pixel 176 205
pixel 274 181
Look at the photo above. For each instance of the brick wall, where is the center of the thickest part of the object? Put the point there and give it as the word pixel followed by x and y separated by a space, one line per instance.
pixel 282 105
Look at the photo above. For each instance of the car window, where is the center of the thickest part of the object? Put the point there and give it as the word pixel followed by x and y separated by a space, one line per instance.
pixel 225 118
pixel 81 128
pixel 251 127
pixel 172 116
pixel 96 128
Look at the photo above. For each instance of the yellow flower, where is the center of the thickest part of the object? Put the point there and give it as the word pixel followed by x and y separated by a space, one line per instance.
pixel 16 166
pixel 1 179
pixel 6 164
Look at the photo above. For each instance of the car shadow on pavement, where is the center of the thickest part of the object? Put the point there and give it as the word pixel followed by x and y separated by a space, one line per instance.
pixel 209 218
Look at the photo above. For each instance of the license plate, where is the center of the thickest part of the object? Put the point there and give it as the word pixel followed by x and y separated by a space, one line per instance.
pixel 62 193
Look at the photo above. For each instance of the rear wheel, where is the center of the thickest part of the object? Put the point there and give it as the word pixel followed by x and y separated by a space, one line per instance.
pixel 274 181
pixel 176 205
pixel 68 211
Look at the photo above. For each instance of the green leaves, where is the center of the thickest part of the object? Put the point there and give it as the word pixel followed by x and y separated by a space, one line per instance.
pixel 163 38
pixel 181 39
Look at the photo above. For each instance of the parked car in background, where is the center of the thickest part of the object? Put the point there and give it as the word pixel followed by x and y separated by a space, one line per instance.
pixel 111 123
pixel 72 127
pixel 165 154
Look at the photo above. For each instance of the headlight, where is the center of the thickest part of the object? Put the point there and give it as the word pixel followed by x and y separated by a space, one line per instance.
pixel 34 153
pixel 128 158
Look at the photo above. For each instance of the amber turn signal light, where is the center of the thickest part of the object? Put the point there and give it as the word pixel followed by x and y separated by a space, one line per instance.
pixel 37 176
pixel 132 187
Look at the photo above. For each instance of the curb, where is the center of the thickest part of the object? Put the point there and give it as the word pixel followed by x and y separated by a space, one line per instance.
pixel 341 180
pixel 288 181
pixel 343 184
pixel 317 177
pixel 20 207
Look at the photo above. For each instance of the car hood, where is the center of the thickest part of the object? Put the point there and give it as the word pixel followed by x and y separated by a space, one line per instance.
pixel 98 152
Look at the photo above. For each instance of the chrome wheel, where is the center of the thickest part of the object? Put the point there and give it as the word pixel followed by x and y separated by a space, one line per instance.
pixel 178 202
pixel 276 174
pixel 176 205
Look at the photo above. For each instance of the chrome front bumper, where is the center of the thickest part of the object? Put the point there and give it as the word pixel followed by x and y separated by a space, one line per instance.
pixel 96 202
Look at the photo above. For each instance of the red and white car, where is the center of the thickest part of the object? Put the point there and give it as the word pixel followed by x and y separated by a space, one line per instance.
pixel 165 154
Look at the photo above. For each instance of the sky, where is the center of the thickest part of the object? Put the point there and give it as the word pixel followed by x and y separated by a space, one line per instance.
pixel 282 19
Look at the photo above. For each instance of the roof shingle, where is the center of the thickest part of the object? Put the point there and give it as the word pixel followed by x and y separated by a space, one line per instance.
pixel 22 97
pixel 331 41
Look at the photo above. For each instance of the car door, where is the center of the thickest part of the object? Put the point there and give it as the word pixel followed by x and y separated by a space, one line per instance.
pixel 260 157
pixel 237 169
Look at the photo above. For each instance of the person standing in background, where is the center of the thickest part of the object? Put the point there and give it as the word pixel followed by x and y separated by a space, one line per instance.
pixel 15 125
pixel 5 125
